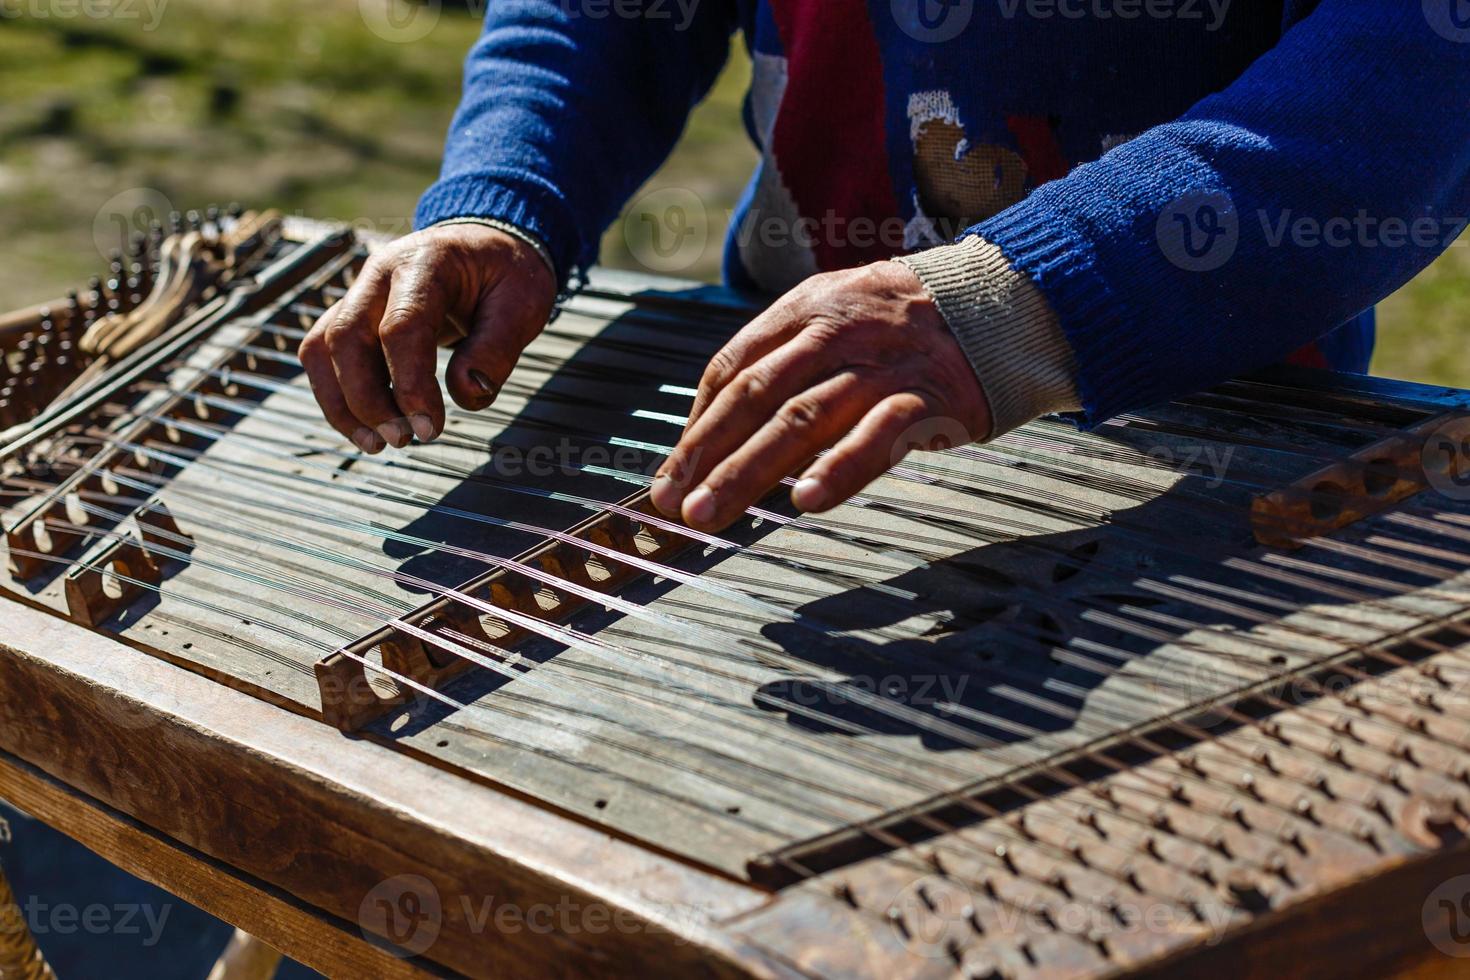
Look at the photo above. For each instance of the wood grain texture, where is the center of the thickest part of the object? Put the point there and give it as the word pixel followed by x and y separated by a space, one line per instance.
pixel 329 820
pixel 329 946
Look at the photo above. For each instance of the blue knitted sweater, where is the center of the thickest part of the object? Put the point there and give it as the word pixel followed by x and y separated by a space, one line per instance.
pixel 1198 188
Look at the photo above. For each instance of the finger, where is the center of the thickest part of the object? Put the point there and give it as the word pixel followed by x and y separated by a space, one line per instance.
pixel 801 428
pixel 737 412
pixel 876 444
pixel 755 340
pixel 357 357
pixel 318 365
pixel 508 318
pixel 414 313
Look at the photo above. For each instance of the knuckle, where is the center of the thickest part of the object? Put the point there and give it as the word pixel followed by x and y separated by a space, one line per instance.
pixel 399 322
pixel 722 367
pixel 799 415
pixel 750 384
pixel 341 334
pixel 311 346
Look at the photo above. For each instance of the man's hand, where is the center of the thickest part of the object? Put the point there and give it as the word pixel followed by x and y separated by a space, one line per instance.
pixel 371 357
pixel 853 361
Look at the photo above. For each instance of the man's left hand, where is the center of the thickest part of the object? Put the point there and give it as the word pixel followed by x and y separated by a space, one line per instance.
pixel 851 362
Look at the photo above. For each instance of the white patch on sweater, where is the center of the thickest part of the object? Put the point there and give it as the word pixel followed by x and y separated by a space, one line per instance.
pixel 776 262
pixel 926 107
pixel 920 231
pixel 767 86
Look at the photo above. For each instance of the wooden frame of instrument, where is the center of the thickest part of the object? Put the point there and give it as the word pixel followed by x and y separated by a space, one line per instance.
pixel 289 830
pixel 279 825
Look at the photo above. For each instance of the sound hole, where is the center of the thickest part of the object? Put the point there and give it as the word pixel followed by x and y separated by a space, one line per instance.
pixel 1327 500
pixel 1380 476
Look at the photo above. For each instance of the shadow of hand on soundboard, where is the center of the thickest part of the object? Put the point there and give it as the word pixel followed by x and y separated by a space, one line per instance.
pixel 1016 640
pixel 588 400
pixel 970 657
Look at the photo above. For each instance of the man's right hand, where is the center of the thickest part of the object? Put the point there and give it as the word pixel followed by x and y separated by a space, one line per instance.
pixel 371 357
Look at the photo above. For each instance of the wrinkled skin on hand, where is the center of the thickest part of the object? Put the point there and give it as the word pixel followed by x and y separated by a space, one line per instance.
pixel 858 364
pixel 371 358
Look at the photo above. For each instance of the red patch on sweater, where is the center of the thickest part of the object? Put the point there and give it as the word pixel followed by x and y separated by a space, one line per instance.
pixel 1039 148
pixel 830 141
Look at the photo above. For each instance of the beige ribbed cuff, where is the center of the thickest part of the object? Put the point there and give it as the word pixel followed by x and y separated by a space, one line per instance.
pixel 514 231
pixel 1005 327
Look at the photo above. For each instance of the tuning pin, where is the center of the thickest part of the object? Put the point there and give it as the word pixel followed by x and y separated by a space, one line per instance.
pixel 235 209
pixel 194 219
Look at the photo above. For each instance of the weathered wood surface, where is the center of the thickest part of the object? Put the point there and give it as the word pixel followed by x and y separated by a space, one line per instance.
pixel 329 820
pixel 681 739
pixel 689 747
pixel 1370 885
pixel 330 946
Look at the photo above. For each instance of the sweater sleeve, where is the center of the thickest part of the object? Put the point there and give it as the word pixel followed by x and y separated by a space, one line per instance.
pixel 568 108
pixel 1321 180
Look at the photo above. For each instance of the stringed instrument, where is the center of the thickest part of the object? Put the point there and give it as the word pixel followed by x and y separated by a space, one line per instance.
pixel 1183 693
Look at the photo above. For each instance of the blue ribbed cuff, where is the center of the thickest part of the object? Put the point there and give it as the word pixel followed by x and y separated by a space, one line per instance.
pixel 1112 361
pixel 517 199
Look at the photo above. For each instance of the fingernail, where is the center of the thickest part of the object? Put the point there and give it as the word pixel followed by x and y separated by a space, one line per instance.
pixel 699 506
pixel 664 494
pixel 808 494
pixel 482 381
pixel 391 432
pixel 367 440
pixel 423 427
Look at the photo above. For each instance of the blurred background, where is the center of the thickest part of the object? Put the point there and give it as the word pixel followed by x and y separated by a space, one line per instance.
pixel 115 112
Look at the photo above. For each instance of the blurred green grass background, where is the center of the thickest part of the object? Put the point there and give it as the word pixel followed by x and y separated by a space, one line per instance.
pixel 336 109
